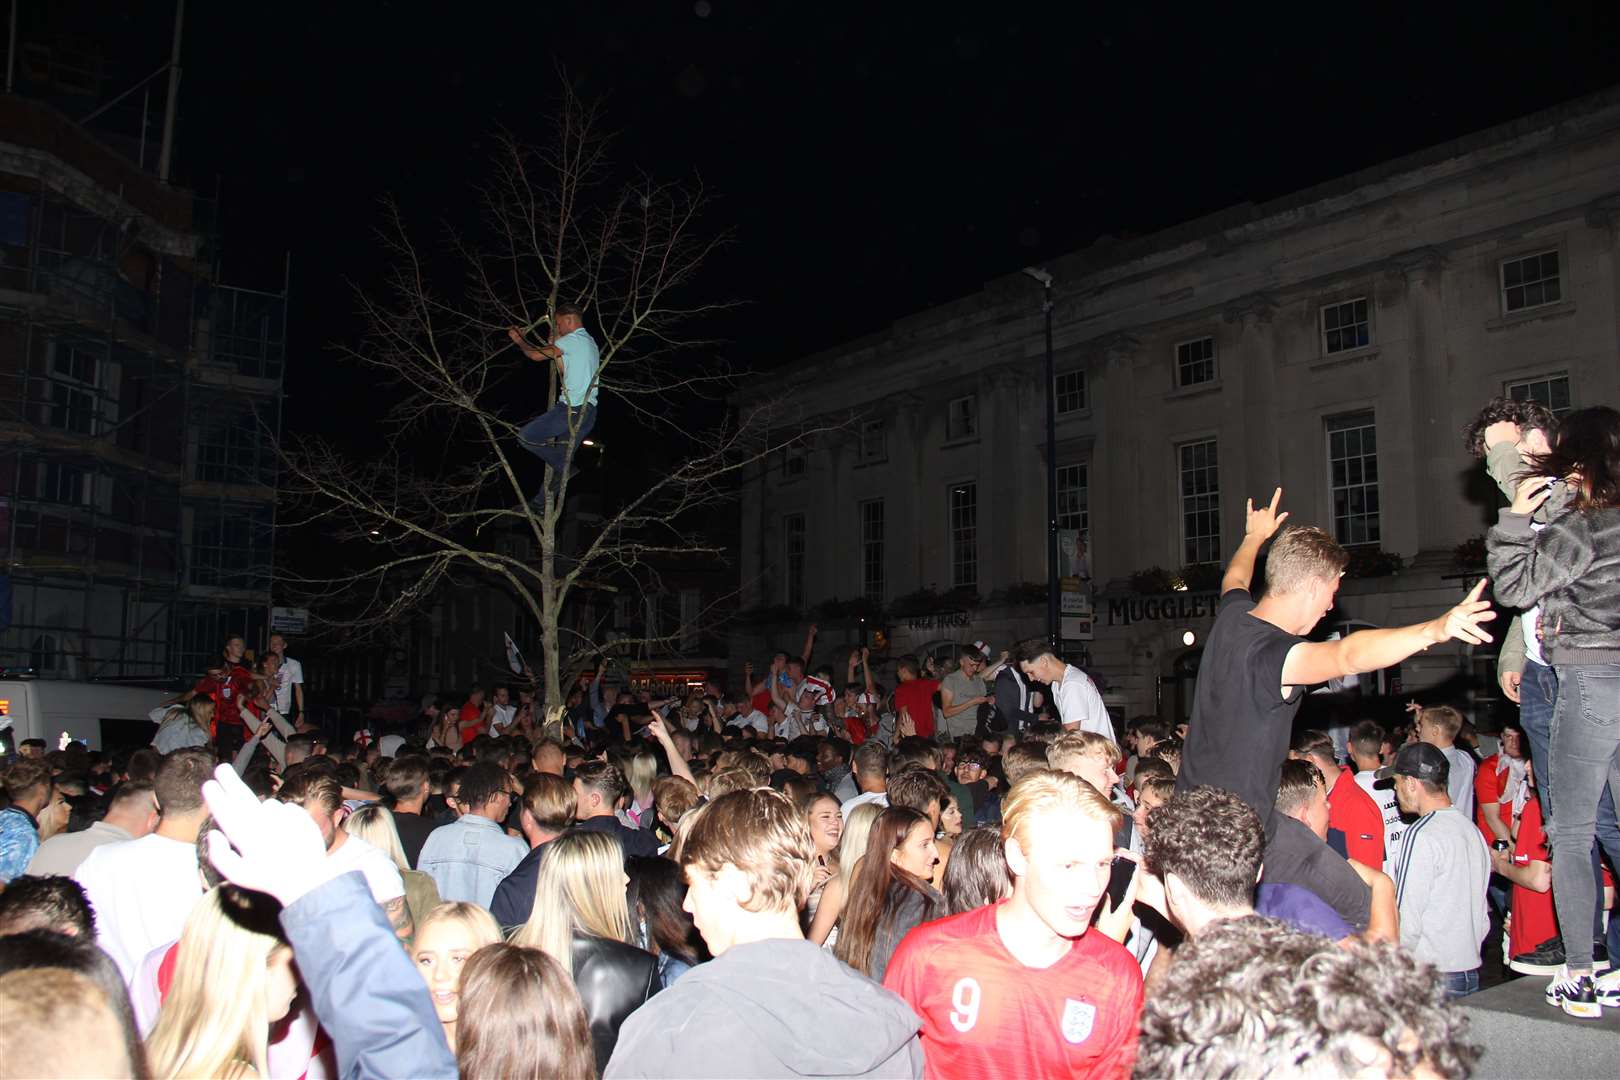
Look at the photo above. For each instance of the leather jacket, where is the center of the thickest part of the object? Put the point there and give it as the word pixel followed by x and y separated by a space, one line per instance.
pixel 613 980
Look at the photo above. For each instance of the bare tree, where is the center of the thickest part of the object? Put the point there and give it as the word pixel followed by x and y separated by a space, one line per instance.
pixel 555 228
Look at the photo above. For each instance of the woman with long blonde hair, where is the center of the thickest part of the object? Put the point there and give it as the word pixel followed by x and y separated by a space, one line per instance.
pixel 233 978
pixel 851 846
pixel 581 920
pixel 445 940
pixel 375 825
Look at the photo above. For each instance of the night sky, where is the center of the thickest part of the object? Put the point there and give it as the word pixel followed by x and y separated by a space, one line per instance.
pixel 871 159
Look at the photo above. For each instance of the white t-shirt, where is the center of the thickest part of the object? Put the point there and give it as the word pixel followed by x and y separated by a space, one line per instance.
pixel 1461 781
pixel 142 892
pixel 382 876
pixel 754 719
pixel 879 797
pixel 290 672
pixel 1394 827
pixel 1079 704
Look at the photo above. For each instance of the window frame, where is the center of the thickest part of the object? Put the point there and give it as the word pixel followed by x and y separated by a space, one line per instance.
pixel 1557 252
pixel 1364 297
pixel 1353 421
pixel 1549 379
pixel 1083 393
pixel 874 549
pixel 951 435
pixel 1082 514
pixel 793 562
pixel 1178 370
pixel 963 555
pixel 863 451
pixel 1212 542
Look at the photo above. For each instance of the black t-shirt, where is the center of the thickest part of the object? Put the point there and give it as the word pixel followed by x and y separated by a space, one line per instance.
pixel 1238 736
pixel 413 833
pixel 1296 856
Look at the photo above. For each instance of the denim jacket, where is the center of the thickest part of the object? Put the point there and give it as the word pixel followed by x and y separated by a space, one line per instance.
pixel 468 858
pixel 365 992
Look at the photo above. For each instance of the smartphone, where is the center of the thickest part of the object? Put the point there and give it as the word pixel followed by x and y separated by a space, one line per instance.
pixel 1119 879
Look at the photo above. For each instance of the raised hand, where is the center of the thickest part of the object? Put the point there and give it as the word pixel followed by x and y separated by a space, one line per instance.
pixel 270 847
pixel 1463 621
pixel 1265 521
pixel 1531 493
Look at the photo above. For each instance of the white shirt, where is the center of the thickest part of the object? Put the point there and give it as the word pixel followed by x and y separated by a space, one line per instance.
pixel 879 797
pixel 1079 704
pixel 1460 783
pixel 142 892
pixel 755 719
pixel 63 853
pixel 291 671
pixel 1394 827
pixel 381 874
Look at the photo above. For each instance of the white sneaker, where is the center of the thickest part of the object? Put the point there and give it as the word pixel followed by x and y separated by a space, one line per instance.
pixel 1576 996
pixel 1607 986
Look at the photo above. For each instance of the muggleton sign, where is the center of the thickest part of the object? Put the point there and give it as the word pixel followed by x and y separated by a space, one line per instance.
pixel 1170 606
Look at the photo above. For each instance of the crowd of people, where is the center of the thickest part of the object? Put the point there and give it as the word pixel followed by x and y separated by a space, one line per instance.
pixel 969 872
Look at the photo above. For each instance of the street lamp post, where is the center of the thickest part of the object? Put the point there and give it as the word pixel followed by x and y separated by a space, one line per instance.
pixel 1045 280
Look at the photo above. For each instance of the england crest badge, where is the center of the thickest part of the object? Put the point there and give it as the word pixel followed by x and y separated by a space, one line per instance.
pixel 1078 1017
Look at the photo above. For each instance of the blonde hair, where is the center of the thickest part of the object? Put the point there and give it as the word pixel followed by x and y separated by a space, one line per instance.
pixel 1072 746
pixel 215 1021
pixel 478 922
pixel 375 825
pixel 580 889
pixel 1302 554
pixel 1444 717
pixel 728 779
pixel 640 770
pixel 852 844
pixel 1044 791
pixel 762 834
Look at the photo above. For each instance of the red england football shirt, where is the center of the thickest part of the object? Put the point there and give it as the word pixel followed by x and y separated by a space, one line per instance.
pixel 470 721
pixel 1490 780
pixel 917 698
pixel 984 1014
pixel 1353 812
pixel 1534 919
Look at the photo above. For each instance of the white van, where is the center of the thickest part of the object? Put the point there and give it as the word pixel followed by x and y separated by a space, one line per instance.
pixel 101 715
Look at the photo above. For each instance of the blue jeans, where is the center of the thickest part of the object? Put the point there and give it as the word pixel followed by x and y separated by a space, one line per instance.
pixel 1460 983
pixel 554 423
pixel 1583 758
pixel 1538 690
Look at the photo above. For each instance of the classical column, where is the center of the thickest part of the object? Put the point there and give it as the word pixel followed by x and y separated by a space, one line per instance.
pixel 1256 466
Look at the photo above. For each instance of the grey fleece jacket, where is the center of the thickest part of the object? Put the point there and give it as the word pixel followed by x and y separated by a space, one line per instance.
pixel 1505 465
pixel 779 1008
pixel 1571 569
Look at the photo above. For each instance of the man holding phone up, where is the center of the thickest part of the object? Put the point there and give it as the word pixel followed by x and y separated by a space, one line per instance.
pixel 1021 988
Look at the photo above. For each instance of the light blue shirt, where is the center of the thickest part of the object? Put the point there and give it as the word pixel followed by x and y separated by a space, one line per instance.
pixel 580 361
pixel 468 858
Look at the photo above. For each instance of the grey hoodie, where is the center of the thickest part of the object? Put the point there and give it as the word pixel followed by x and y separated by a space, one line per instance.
pixel 779 1008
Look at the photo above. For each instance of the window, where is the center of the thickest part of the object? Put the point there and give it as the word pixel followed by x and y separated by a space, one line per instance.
pixel 1353 477
pixel 792 463
pixel 1074 497
pixel 964 525
pixel 1552 391
pixel 230 547
pixel 793 560
pixel 1195 362
pixel 1344 326
pixel 691 611
pixel 1530 281
pixel 231 449
pixel 65 484
pixel 71 396
pixel 962 419
pixel 872 582
pixel 1200 503
pixel 874 441
pixel 1069 389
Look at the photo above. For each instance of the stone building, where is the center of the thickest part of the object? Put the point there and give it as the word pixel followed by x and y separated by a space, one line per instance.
pixel 1335 342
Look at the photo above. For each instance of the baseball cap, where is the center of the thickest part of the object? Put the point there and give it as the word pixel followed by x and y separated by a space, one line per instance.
pixel 1421 760
pixel 983 647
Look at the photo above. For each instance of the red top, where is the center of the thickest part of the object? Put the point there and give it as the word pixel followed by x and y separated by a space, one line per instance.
pixel 471 722
pixel 762 700
pixel 984 1014
pixel 228 695
pixel 1490 780
pixel 1353 812
pixel 1534 920
pixel 916 696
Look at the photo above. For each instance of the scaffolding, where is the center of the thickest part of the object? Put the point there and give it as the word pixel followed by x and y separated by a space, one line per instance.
pixel 140 405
